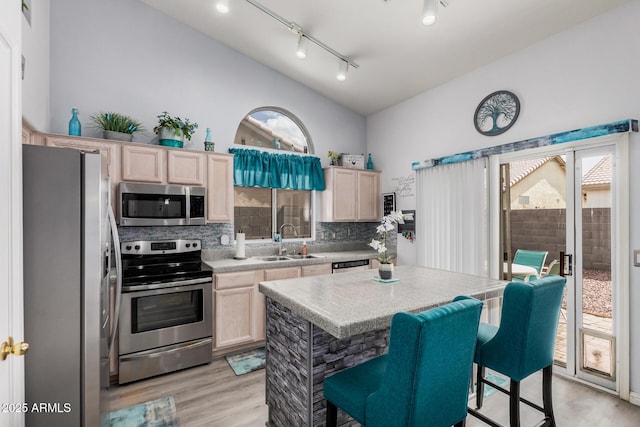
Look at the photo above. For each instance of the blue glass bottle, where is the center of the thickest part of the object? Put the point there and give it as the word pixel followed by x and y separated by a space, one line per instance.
pixel 75 128
pixel 369 162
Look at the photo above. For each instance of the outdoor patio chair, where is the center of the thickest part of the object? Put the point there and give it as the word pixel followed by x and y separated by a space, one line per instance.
pixel 533 259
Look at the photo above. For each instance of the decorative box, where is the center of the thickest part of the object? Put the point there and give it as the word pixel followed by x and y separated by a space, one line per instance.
pixel 352 161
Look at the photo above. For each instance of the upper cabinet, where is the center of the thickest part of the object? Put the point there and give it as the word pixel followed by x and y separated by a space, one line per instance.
pixel 109 151
pixel 219 188
pixel 186 167
pixel 143 163
pixel 154 164
pixel 351 195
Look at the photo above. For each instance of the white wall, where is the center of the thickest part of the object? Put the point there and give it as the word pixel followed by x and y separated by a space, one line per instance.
pixel 35 49
pixel 585 76
pixel 121 55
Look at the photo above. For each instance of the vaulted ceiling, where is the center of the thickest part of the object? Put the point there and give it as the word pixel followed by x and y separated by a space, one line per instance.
pixel 398 56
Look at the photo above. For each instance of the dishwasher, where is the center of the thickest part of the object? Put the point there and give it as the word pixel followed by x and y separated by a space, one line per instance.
pixel 347 266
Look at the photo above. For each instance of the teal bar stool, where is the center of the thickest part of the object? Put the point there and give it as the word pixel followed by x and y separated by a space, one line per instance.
pixel 522 344
pixel 424 378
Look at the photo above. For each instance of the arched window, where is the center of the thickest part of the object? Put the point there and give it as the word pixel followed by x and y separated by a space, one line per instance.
pixel 274 127
pixel 263 213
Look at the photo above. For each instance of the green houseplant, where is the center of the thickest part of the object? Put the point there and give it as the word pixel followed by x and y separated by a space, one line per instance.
pixel 116 126
pixel 386 225
pixel 173 130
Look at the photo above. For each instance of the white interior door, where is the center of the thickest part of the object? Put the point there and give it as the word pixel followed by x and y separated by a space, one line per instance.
pixel 11 322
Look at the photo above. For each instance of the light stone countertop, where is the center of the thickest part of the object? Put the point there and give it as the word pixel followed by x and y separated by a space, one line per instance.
pixel 254 263
pixel 351 303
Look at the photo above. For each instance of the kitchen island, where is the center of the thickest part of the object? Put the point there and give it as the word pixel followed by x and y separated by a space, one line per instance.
pixel 320 325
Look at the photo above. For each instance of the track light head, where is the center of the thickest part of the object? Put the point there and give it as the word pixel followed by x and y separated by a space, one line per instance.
pixel 343 66
pixel 429 12
pixel 303 44
pixel 222 6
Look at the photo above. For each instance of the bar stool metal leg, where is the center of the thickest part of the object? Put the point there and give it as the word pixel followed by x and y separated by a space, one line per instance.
pixel 514 404
pixel 332 415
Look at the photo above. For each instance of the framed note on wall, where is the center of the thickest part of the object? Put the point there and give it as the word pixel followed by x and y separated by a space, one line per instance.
pixel 388 203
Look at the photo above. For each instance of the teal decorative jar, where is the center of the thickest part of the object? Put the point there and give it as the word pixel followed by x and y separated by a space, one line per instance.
pixel 208 141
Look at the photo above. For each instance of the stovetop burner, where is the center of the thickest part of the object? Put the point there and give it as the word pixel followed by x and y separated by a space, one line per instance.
pixel 145 262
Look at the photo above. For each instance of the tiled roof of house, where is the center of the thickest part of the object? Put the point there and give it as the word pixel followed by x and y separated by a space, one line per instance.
pixel 520 169
pixel 599 174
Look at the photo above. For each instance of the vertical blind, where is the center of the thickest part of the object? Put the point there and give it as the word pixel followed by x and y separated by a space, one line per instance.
pixel 453 220
pixel 254 168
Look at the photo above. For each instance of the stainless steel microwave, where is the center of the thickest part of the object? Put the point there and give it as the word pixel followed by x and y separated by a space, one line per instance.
pixel 157 204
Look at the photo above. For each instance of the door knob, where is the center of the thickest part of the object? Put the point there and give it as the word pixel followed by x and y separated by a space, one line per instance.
pixel 8 347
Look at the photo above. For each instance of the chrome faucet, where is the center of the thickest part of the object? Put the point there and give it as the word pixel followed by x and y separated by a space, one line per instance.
pixel 281 249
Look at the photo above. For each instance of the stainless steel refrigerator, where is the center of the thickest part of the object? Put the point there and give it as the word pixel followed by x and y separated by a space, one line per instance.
pixel 67 248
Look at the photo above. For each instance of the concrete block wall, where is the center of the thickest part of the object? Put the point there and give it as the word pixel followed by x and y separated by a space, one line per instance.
pixel 545 230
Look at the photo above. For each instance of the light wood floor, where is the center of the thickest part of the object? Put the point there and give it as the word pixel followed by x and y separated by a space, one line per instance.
pixel 213 396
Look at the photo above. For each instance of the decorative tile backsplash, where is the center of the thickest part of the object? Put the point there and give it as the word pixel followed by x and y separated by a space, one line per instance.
pixel 330 236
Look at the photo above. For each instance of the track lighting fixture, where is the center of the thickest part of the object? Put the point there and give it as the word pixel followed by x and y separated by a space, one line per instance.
pixel 304 39
pixel 429 12
pixel 303 44
pixel 343 66
pixel 222 6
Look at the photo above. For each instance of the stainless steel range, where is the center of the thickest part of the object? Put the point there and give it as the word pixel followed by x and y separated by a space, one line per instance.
pixel 165 312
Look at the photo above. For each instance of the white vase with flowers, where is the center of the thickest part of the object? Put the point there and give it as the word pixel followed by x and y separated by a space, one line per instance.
pixel 385 270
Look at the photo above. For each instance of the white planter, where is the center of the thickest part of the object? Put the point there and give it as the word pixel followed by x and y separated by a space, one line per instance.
pixel 170 137
pixel 117 136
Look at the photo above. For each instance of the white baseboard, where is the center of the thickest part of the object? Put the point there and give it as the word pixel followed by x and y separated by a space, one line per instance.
pixel 634 398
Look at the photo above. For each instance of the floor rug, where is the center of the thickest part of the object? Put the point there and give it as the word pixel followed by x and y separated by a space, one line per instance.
pixel 247 361
pixel 155 413
pixel 496 379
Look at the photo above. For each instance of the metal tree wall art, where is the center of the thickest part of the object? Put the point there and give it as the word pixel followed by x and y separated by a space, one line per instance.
pixel 496 113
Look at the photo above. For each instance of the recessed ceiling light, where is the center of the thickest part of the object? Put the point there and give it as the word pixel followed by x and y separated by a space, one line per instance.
pixel 222 6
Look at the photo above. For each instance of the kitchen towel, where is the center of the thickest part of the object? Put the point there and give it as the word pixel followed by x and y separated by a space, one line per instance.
pixel 240 246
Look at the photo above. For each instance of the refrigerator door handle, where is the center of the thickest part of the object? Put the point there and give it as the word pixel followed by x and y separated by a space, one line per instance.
pixel 116 246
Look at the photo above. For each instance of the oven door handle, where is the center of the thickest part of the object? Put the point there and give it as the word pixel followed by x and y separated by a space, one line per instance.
pixel 176 284
pixel 153 353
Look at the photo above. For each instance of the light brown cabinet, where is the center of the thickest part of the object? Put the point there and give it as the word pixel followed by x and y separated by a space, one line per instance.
pixel 155 164
pixel 351 195
pixel 238 309
pixel 143 163
pixel 108 150
pixel 315 270
pixel 186 167
pixel 219 188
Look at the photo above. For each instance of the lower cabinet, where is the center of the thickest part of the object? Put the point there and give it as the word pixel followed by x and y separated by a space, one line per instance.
pixel 239 306
pixel 238 309
pixel 315 270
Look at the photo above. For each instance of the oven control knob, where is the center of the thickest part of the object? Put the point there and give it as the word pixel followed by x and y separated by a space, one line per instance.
pixel 137 248
pixel 195 244
pixel 188 245
pixel 128 247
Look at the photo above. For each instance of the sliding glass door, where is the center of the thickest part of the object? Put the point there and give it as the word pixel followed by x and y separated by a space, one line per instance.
pixel 562 206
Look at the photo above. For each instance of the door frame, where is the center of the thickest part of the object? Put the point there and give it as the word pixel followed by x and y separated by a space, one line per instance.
pixel 620 235
pixel 11 290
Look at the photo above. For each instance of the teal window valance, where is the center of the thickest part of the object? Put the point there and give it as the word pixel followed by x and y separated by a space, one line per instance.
pixel 254 168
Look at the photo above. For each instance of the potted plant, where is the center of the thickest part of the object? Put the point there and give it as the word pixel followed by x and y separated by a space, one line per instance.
pixel 334 156
pixel 116 126
pixel 173 130
pixel 386 261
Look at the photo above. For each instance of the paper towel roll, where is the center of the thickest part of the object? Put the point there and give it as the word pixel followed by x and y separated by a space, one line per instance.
pixel 240 245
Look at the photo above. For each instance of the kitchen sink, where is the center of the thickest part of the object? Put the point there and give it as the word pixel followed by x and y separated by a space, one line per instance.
pixel 273 258
pixel 303 256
